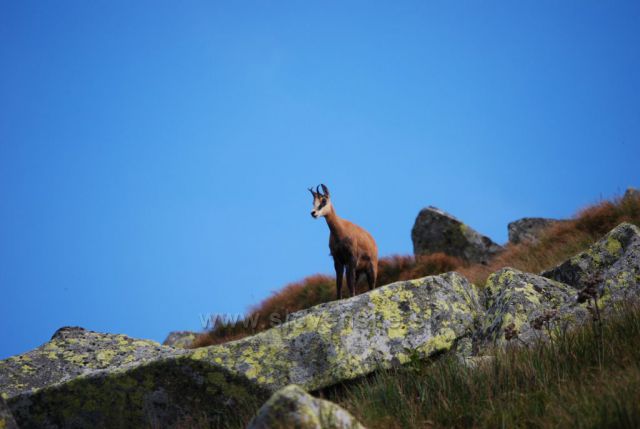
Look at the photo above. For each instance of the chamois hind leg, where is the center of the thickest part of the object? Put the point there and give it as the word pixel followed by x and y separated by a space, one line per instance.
pixel 371 276
pixel 339 271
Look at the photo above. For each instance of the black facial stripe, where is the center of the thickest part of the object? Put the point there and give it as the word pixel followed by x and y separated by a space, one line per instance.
pixel 322 204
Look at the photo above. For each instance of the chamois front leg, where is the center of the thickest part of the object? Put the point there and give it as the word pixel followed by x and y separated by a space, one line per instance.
pixel 339 271
pixel 351 278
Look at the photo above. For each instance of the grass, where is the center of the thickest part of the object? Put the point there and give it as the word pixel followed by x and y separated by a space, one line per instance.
pixel 588 378
pixel 561 241
pixel 556 244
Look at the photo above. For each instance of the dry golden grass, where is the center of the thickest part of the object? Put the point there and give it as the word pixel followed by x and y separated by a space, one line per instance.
pixel 560 241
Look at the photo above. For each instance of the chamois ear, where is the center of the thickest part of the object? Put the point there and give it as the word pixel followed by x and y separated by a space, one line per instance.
pixel 325 190
pixel 312 193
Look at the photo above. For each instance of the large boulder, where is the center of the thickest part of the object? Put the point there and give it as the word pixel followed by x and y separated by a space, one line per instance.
pixel 86 379
pixel 611 265
pixel 345 339
pixel 529 229
pixel 82 378
pixel 523 307
pixel 180 339
pixel 292 407
pixel 74 352
pixel 437 231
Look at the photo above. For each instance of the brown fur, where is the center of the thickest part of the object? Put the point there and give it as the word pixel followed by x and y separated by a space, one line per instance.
pixel 353 249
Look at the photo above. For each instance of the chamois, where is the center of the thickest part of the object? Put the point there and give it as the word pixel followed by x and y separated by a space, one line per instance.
pixel 352 248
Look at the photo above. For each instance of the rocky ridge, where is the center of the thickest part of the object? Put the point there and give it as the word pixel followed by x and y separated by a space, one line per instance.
pixel 83 378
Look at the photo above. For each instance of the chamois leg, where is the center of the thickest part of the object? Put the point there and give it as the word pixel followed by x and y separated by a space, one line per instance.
pixel 351 279
pixel 371 276
pixel 339 271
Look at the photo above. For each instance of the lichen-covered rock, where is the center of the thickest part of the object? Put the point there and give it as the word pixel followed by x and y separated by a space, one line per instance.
pixel 73 352
pixel 612 265
pixel 82 378
pixel 6 418
pixel 345 339
pixel 437 231
pixel 528 229
pixel 523 307
pixel 292 407
pixel 180 339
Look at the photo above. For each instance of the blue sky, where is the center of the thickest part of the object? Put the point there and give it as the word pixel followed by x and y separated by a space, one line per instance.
pixel 155 156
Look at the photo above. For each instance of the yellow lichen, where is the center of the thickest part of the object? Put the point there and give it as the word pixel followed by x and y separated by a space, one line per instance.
pixel 440 342
pixel 104 357
pixel 28 369
pixel 613 245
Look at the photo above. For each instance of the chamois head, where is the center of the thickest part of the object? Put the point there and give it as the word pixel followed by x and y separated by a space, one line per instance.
pixel 321 202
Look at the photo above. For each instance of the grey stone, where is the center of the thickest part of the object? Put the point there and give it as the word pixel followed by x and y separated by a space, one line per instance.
pixel 523 308
pixel 529 229
pixel 611 265
pixel 631 193
pixel 180 339
pixel 437 231
pixel 82 378
pixel 345 339
pixel 292 407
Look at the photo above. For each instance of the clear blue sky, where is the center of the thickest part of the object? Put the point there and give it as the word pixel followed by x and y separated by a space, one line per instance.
pixel 155 156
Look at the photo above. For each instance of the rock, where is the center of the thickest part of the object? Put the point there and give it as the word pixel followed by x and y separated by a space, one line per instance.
pixel 73 352
pixel 529 229
pixel 82 378
pixel 521 307
pixel 437 231
pixel 631 193
pixel 292 407
pixel 6 418
pixel 180 339
pixel 345 339
pixel 612 265
pixel 86 379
